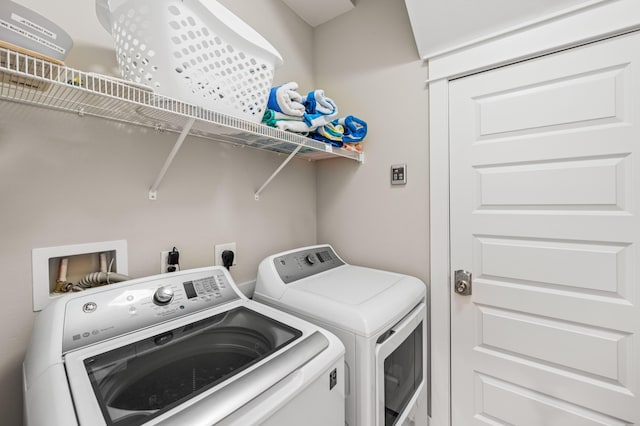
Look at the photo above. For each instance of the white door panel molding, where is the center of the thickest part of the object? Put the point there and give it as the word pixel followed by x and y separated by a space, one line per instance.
pixel 601 20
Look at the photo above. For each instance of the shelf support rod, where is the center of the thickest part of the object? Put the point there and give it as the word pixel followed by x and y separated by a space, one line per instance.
pixel 284 163
pixel 153 192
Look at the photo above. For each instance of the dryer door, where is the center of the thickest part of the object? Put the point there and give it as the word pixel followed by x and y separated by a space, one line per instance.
pixel 401 369
pixel 139 381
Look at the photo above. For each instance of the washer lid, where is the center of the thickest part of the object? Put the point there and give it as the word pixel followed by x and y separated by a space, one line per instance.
pixel 361 300
pixel 141 380
pixel 195 372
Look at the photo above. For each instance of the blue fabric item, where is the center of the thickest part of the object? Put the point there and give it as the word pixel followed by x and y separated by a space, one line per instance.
pixel 330 133
pixel 319 109
pixel 340 131
pixel 316 120
pixel 272 102
pixel 319 137
pixel 317 103
pixel 355 129
pixel 286 100
pixel 285 122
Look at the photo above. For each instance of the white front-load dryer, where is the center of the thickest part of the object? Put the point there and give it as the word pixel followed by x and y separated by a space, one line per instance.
pixel 380 317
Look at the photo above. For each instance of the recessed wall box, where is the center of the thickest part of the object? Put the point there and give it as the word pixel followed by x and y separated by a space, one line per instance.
pixel 82 259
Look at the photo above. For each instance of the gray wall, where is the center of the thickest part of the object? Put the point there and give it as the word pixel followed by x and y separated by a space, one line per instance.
pixel 66 179
pixel 367 61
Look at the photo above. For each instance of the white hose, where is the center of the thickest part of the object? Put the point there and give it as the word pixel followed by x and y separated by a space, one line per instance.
pixel 98 278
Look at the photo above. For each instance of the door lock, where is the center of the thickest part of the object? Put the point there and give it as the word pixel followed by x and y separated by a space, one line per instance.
pixel 462 282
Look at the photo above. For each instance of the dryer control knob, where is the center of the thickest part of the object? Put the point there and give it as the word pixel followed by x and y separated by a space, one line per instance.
pixel 163 295
pixel 311 259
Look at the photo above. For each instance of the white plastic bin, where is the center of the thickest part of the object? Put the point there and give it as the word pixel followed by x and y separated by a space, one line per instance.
pixel 25 28
pixel 196 51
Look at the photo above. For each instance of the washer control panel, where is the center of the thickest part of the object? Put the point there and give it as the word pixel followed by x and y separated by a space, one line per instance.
pixel 306 262
pixel 102 314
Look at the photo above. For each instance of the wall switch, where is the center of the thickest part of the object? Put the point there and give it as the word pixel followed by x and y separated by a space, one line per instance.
pixel 219 248
pixel 399 174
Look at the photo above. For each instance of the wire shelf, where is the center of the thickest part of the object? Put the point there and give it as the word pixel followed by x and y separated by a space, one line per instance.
pixel 39 82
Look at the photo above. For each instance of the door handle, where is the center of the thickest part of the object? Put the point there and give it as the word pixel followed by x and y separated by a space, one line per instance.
pixel 462 282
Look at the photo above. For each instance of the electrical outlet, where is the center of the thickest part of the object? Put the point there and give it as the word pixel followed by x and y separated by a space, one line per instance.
pixel 219 248
pixel 165 258
pixel 164 261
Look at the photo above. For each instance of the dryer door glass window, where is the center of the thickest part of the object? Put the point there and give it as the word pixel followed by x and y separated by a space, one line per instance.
pixel 402 376
pixel 137 382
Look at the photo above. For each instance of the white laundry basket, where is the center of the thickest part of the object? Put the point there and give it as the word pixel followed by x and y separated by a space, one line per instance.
pixel 196 51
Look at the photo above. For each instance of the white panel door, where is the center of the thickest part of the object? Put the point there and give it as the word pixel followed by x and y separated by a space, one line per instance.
pixel 545 183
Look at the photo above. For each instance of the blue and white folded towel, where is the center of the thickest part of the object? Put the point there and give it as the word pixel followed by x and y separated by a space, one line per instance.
pixel 317 103
pixel 286 100
pixel 355 129
pixel 315 115
pixel 347 130
pixel 332 133
pixel 297 126
pixel 319 109
pixel 285 122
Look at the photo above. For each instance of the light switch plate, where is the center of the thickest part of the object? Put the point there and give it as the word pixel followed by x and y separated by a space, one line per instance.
pixel 399 174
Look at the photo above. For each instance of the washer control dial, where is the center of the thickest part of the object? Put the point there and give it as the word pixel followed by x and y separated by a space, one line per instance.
pixel 310 259
pixel 163 295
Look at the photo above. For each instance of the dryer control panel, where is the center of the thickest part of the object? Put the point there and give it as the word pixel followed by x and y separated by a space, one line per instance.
pixel 102 314
pixel 304 263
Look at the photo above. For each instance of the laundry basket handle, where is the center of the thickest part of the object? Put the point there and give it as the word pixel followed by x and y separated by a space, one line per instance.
pixel 104 14
pixel 240 27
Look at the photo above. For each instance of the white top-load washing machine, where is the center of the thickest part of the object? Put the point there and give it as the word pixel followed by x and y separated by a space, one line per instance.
pixel 380 317
pixel 186 348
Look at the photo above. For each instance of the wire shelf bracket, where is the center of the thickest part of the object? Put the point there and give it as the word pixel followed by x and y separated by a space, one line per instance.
pixel 274 174
pixel 153 191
